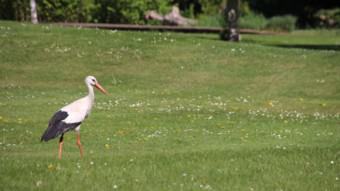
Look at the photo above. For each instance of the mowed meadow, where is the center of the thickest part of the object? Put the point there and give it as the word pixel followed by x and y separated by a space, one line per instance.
pixel 185 111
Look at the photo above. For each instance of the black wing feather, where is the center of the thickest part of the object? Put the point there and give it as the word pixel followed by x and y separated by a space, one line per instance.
pixel 56 126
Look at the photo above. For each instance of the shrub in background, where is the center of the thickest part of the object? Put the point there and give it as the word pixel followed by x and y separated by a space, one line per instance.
pixel 15 10
pixel 253 21
pixel 64 10
pixel 328 18
pixel 106 11
pixel 208 12
pixel 303 9
pixel 282 23
pixel 210 20
pixel 126 11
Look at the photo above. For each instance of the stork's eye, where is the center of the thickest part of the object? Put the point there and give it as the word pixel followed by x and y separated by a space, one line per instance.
pixel 93 80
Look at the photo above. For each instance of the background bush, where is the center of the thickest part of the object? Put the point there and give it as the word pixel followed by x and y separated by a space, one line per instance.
pixel 304 10
pixel 253 21
pixel 210 20
pixel 253 12
pixel 15 10
pixel 328 18
pixel 108 11
pixel 64 10
pixel 126 11
pixel 282 23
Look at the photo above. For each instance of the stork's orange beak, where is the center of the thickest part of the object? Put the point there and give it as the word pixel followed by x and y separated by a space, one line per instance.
pixel 100 88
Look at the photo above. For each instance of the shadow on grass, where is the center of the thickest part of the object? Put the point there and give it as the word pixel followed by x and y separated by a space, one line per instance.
pixel 309 46
pixel 333 47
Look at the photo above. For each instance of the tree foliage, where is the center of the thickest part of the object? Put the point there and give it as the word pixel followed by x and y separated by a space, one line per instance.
pixel 63 10
pixel 132 11
pixel 125 11
pixel 303 9
pixel 15 10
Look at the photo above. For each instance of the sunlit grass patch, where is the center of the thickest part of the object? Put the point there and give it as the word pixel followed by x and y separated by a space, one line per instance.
pixel 186 112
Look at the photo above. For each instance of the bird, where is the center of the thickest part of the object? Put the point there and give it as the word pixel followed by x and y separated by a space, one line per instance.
pixel 71 116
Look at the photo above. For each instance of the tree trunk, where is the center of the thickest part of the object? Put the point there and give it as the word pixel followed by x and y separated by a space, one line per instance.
pixel 34 15
pixel 231 15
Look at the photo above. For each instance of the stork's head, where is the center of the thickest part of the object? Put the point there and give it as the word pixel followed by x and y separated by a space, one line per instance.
pixel 92 81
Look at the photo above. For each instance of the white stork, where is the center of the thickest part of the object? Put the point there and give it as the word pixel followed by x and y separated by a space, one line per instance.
pixel 71 116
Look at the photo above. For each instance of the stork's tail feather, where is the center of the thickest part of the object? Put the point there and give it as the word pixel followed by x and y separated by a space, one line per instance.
pixel 54 131
pixel 49 134
pixel 54 126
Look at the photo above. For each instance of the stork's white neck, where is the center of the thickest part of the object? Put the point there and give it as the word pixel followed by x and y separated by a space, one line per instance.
pixel 91 92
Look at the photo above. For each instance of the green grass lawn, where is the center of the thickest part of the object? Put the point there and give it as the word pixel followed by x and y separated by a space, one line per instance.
pixel 185 111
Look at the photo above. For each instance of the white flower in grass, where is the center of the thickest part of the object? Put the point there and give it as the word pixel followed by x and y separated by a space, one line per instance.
pixel 205 187
pixel 38 183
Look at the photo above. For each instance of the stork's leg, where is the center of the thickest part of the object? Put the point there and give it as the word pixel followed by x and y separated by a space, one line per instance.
pixel 79 144
pixel 61 142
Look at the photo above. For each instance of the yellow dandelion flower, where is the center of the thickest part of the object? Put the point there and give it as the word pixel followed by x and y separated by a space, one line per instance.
pixel 270 103
pixel 50 167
